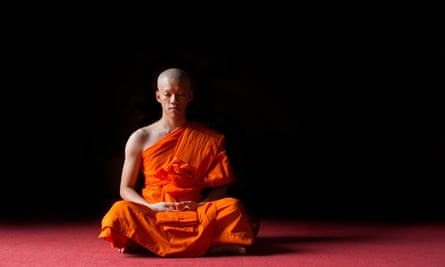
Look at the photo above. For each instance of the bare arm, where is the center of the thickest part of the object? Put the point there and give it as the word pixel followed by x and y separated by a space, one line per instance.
pixel 131 168
pixel 130 172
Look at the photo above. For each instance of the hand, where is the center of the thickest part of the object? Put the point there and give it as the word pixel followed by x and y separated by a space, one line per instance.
pixel 172 206
pixel 190 205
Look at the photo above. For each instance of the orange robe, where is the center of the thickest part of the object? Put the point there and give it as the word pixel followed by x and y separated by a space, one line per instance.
pixel 177 168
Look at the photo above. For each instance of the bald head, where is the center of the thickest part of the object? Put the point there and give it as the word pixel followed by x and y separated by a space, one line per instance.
pixel 177 74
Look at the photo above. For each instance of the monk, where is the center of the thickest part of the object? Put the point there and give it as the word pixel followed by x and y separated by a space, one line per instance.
pixel 180 160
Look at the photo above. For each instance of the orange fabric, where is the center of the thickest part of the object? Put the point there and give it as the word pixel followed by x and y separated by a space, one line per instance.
pixel 178 168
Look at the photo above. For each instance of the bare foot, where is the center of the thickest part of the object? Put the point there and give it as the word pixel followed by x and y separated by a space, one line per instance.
pixel 228 249
pixel 131 249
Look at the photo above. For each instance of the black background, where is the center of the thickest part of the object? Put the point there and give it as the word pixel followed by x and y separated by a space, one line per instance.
pixel 327 113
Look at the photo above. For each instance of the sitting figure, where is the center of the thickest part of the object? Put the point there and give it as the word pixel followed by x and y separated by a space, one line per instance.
pixel 179 160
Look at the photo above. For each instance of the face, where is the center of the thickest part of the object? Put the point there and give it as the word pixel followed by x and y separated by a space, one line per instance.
pixel 174 96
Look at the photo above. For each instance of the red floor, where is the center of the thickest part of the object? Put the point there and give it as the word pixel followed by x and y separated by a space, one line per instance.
pixel 281 243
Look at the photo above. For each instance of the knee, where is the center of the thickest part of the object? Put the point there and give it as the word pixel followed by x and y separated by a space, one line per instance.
pixel 121 205
pixel 234 203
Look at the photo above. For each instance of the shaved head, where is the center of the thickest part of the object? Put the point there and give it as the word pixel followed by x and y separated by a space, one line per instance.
pixel 176 74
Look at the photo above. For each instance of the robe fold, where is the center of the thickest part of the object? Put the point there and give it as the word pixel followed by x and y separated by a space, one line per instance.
pixel 178 168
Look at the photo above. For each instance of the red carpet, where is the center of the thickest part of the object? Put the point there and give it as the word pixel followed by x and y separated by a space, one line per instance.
pixel 281 243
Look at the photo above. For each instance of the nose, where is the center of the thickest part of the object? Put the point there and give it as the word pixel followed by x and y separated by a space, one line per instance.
pixel 174 98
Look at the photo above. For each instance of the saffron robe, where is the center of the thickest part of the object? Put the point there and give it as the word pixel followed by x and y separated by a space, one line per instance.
pixel 178 168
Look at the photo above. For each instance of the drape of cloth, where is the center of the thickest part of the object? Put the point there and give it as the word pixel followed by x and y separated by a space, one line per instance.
pixel 178 168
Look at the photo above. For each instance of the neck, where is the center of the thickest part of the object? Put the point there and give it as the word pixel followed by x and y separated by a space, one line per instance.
pixel 169 125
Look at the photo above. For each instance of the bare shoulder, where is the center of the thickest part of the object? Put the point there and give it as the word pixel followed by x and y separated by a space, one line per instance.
pixel 140 136
pixel 145 136
pixel 141 133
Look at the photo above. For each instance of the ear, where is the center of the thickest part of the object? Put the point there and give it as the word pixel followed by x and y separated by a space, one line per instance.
pixel 158 95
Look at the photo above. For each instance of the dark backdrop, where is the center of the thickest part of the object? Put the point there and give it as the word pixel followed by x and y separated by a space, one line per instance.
pixel 329 116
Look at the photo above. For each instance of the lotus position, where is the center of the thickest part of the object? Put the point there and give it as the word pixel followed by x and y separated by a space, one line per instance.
pixel 183 209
